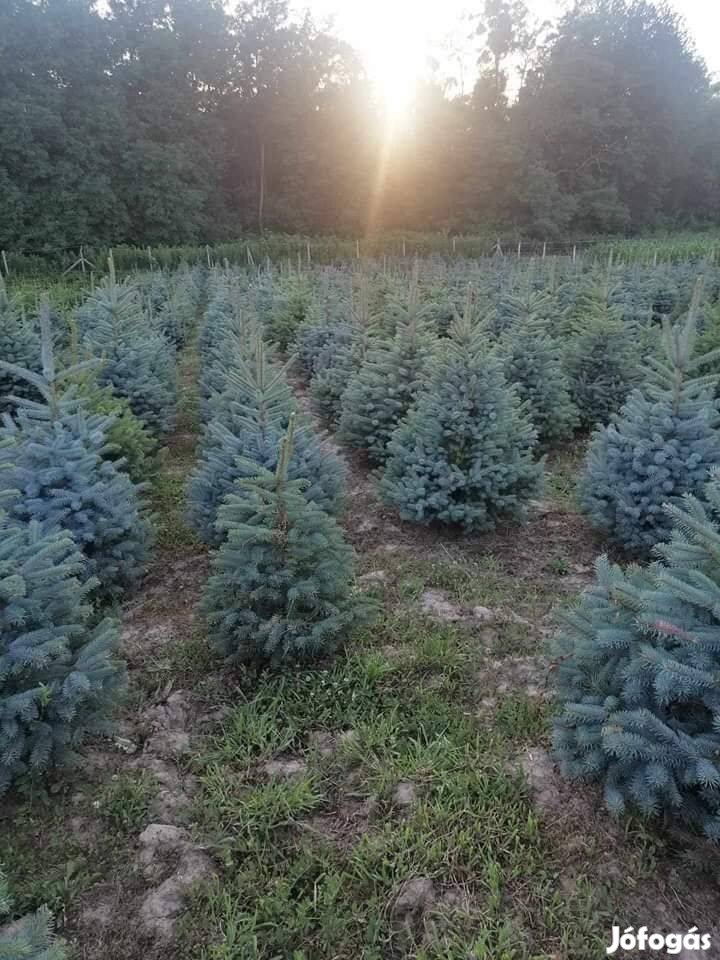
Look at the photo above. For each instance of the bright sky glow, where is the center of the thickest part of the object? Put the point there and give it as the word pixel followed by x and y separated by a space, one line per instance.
pixel 396 38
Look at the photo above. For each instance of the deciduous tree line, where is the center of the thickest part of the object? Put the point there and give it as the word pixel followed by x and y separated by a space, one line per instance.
pixel 150 121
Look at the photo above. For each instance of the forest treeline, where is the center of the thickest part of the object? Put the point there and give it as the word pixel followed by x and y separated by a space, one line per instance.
pixel 169 121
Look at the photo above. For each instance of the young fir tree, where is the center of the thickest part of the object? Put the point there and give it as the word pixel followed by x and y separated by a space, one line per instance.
pixel 663 445
pixel 382 391
pixel 59 462
pixel 532 363
pixel 341 358
pixel 31 937
pixel 130 445
pixel 282 583
pixel 638 662
pixel 59 677
pixel 19 345
pixel 138 361
pixel 252 415
pixel 292 298
pixel 601 359
pixel 464 453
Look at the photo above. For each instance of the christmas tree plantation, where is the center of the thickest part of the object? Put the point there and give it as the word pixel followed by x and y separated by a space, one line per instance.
pixel 662 445
pixel 281 584
pixel 464 453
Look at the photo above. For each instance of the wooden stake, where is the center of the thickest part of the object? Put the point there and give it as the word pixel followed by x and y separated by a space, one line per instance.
pixel 5 264
pixel 519 248
pixel 404 251
pixel 574 252
pixel 544 249
pixel 308 252
pixel 454 248
pixel 357 249
pixel 207 254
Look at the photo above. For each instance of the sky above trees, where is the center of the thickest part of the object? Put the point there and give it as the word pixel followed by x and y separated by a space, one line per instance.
pixel 439 29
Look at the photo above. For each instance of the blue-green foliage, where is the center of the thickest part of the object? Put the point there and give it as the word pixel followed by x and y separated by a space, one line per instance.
pixel 178 308
pixel 341 357
pixel 382 391
pixel 532 363
pixel 601 360
pixel 281 583
pixel 138 362
pixel 464 453
pixel 248 420
pixel 337 363
pixel 292 297
pixel 662 445
pixel 58 674
pixel 19 345
pixel 227 457
pixel 638 661
pixel 225 333
pixel 29 938
pixel 59 462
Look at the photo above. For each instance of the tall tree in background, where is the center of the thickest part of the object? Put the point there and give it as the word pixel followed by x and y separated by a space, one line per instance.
pixel 610 118
pixel 172 65
pixel 59 119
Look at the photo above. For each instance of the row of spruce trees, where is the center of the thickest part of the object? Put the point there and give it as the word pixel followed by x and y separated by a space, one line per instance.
pixel 265 494
pixel 85 405
pixel 453 416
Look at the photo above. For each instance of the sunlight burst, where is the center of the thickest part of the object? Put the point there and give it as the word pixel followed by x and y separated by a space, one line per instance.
pixel 396 63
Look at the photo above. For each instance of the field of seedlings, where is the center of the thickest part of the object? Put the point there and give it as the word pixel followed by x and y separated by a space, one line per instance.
pixel 367 609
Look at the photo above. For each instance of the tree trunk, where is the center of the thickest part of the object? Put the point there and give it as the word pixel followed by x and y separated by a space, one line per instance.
pixel 261 196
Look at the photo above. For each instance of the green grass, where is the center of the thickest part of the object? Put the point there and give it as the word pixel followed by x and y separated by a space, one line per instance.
pixel 126 801
pixel 298 882
pixel 561 476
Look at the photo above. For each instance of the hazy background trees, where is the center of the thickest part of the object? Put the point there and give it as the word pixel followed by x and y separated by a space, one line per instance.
pixel 172 120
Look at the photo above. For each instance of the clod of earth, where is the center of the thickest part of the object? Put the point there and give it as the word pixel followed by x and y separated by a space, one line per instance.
pixel 405 794
pixel 284 769
pixel 413 901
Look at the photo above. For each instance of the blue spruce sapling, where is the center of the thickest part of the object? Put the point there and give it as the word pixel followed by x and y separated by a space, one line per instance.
pixel 59 462
pixel 281 586
pixel 638 661
pixel 663 444
pixel 464 453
